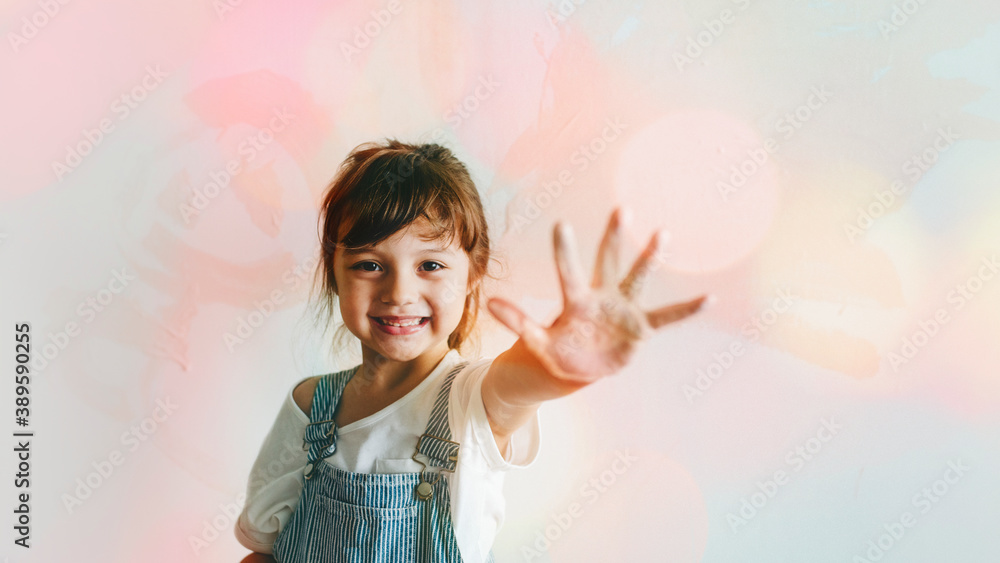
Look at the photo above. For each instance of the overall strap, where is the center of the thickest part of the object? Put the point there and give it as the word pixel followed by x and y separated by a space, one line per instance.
pixel 321 432
pixel 436 443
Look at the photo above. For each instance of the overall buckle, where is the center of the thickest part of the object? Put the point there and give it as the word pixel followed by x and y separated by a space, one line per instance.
pixel 433 451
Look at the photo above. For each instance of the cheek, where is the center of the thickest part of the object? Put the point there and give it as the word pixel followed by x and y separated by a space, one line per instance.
pixel 355 304
pixel 347 312
pixel 449 300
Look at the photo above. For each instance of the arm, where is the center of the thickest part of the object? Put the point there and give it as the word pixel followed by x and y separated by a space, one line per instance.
pixel 274 485
pixel 514 387
pixel 594 336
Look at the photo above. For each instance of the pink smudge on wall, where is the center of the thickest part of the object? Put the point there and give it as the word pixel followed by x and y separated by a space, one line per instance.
pixel 708 180
pixel 278 107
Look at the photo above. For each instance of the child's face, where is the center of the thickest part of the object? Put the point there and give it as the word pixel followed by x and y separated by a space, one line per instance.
pixel 404 279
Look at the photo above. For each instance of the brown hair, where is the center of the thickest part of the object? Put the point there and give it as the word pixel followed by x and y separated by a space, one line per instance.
pixel 383 187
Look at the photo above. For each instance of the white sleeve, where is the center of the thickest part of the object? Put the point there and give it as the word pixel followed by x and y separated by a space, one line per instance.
pixel 467 408
pixel 275 480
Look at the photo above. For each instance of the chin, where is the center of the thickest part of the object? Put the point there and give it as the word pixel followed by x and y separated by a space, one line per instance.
pixel 398 354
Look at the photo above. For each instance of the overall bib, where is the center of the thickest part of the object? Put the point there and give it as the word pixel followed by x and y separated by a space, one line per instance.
pixel 345 517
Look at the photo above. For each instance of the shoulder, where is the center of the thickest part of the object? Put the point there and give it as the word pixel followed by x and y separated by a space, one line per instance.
pixel 303 393
pixel 469 374
pixel 466 388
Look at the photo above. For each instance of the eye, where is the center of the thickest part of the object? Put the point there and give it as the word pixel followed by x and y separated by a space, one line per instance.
pixel 366 266
pixel 436 266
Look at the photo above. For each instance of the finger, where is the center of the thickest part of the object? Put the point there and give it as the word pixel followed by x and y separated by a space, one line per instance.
pixel 606 268
pixel 567 262
pixel 512 317
pixel 648 262
pixel 674 313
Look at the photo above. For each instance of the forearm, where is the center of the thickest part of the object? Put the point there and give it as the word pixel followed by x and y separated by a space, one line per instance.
pixel 516 384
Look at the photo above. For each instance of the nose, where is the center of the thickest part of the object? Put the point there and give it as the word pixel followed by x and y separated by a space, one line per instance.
pixel 400 289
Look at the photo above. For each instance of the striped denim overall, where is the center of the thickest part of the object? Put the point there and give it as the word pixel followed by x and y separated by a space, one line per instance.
pixel 345 517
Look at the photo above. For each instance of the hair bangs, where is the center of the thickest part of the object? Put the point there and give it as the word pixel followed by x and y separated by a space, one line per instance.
pixel 396 193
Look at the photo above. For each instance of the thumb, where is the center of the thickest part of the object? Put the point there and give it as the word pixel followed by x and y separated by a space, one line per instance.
pixel 512 317
pixel 507 313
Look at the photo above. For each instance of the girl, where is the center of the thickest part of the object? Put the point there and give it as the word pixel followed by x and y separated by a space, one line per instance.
pixel 403 456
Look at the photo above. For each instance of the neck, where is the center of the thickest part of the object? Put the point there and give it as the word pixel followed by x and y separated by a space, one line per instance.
pixel 384 373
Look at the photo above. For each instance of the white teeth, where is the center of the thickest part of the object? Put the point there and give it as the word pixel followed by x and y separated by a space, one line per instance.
pixel 408 323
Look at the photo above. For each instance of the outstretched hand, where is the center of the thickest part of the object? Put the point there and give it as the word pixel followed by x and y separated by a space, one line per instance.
pixel 600 325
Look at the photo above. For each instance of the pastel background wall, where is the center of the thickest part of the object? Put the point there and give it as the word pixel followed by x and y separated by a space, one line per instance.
pixel 829 170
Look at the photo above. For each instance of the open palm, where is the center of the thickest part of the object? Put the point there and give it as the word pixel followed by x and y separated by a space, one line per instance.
pixel 600 325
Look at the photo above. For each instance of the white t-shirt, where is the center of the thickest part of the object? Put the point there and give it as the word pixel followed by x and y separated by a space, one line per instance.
pixel 384 443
